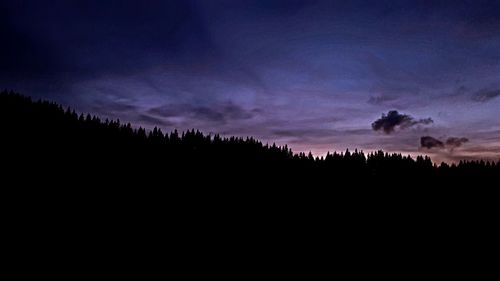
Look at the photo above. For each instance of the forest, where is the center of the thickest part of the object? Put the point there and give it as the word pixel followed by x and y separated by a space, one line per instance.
pixel 47 139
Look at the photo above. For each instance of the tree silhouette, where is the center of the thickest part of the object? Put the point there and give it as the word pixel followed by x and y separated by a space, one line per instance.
pixel 44 137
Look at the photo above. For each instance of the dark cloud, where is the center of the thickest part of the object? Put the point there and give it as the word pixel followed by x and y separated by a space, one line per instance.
pixel 485 95
pixel 424 121
pixel 455 142
pixel 450 143
pixel 388 123
pixel 430 142
pixel 220 113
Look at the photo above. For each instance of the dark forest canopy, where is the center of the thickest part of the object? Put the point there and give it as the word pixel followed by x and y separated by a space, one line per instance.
pixel 41 131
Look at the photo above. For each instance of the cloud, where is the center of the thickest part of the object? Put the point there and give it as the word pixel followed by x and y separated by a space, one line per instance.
pixel 485 95
pixel 430 142
pixel 219 113
pixel 450 143
pixel 317 132
pixel 153 121
pixel 456 142
pixel 381 99
pixel 393 119
pixel 112 107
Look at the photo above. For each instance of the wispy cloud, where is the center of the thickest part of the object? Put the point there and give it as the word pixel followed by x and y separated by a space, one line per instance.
pixel 381 99
pixel 485 95
pixel 456 142
pixel 219 113
pixel 154 121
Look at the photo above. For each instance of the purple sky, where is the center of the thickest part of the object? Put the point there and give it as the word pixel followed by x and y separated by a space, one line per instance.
pixel 313 74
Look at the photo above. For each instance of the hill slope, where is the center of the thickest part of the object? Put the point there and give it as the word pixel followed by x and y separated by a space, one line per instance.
pixel 44 137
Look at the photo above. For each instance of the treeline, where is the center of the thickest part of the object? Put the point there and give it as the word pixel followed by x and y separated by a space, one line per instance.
pixel 70 179
pixel 44 134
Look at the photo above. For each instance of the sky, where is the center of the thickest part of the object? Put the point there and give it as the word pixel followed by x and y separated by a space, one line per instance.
pixel 416 77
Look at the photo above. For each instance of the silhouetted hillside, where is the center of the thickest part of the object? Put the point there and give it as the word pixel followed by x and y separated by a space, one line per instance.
pixel 104 183
pixel 43 136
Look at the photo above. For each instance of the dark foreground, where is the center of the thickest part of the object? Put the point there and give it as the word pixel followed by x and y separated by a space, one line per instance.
pixel 53 153
pixel 101 191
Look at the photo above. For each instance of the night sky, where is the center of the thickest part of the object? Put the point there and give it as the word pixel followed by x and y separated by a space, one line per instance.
pixel 417 77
